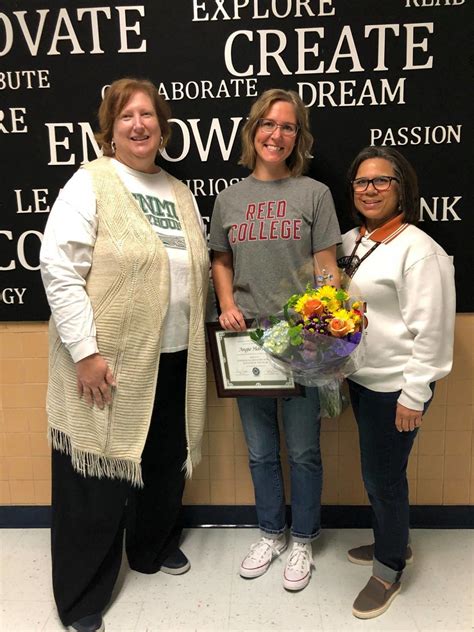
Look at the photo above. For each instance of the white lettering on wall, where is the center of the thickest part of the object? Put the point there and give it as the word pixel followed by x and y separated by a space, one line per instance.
pixel 11 295
pixel 412 45
pixel 29 26
pixel 204 146
pixel 58 137
pixel 439 209
pixel 213 10
pixel 29 79
pixel 269 47
pixel 210 186
pixel 125 46
pixel 433 3
pixel 416 135
pixel 20 250
pixel 62 135
pixel 39 201
pixel 206 89
pixel 351 93
pixel 12 121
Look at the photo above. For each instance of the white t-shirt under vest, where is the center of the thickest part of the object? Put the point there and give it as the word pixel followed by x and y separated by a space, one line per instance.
pixel 68 246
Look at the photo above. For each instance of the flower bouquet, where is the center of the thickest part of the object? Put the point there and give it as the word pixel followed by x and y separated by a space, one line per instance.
pixel 319 337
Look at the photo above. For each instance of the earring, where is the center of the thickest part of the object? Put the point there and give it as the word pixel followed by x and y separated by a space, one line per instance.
pixel 161 140
pixel 113 146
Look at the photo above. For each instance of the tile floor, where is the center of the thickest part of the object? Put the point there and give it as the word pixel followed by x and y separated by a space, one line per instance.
pixel 437 594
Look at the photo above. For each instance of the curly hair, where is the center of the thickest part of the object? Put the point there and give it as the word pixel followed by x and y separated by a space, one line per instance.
pixel 299 159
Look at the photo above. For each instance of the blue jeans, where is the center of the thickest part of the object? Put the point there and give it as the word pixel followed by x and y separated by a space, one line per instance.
pixel 301 423
pixel 384 453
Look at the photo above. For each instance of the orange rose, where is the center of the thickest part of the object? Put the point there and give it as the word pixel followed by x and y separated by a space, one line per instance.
pixel 313 307
pixel 339 328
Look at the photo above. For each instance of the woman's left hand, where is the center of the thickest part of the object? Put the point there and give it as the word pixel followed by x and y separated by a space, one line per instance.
pixel 407 419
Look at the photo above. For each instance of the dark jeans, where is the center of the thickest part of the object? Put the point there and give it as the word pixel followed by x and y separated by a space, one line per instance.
pixel 384 453
pixel 89 515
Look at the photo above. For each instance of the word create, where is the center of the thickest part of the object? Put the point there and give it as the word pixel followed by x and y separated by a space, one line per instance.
pixel 272 46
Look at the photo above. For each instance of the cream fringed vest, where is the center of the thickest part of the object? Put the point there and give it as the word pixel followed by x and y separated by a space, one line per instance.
pixel 128 285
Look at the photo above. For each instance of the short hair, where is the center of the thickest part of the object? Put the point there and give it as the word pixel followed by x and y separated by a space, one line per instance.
pixel 299 159
pixel 115 99
pixel 409 197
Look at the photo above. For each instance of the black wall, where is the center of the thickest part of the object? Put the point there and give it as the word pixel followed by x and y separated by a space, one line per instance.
pixel 394 72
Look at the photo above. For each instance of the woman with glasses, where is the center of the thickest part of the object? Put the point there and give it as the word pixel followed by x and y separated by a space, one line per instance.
pixel 408 282
pixel 271 234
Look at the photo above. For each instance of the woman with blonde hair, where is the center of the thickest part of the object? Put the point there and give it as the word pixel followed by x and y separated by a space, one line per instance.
pixel 270 235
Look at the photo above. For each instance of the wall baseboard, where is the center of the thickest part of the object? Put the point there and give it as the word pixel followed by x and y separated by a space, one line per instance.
pixel 241 516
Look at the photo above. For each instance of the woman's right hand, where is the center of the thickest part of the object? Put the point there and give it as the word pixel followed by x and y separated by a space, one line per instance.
pixel 223 273
pixel 94 380
pixel 232 319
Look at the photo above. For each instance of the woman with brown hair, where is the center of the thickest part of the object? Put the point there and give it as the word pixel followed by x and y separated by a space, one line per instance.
pixel 408 282
pixel 125 268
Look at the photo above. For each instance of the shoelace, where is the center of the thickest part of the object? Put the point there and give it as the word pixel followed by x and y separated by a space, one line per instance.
pixel 261 548
pixel 299 557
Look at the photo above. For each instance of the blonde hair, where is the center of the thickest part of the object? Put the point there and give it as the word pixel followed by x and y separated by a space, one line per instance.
pixel 299 159
pixel 116 97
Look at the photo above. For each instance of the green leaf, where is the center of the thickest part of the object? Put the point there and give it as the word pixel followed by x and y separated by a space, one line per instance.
pixel 291 302
pixel 256 335
pixel 295 336
pixel 342 295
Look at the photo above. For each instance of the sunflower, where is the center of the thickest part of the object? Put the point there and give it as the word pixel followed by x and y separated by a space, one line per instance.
pixel 342 314
pixel 301 302
pixel 326 293
pixel 333 305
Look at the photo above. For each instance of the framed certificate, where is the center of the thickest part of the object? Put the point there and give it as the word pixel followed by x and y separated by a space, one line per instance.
pixel 242 368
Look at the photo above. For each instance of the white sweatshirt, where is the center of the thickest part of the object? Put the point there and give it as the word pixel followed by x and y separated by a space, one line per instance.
pixel 408 284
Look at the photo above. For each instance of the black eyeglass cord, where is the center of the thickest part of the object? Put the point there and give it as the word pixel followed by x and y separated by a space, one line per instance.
pixel 351 267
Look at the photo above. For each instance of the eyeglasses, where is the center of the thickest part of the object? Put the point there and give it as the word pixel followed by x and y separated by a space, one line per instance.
pixel 269 126
pixel 381 183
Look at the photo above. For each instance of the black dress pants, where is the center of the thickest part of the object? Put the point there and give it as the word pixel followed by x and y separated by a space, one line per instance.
pixel 89 515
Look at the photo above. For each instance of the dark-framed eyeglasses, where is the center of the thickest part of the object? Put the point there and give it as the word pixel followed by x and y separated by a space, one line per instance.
pixel 380 183
pixel 269 126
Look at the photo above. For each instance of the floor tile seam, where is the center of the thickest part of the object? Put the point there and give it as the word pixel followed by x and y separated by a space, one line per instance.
pixel 142 605
pixel 52 612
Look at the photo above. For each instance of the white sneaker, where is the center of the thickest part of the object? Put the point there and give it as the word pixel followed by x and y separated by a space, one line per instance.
pixel 261 555
pixel 297 571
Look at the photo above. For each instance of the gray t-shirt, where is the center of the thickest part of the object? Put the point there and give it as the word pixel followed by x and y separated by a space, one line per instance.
pixel 273 228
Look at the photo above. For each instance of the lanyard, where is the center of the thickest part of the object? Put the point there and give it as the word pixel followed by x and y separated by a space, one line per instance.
pixel 393 227
pixel 351 263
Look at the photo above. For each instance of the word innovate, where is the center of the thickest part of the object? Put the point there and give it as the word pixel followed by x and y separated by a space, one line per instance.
pixel 28 27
